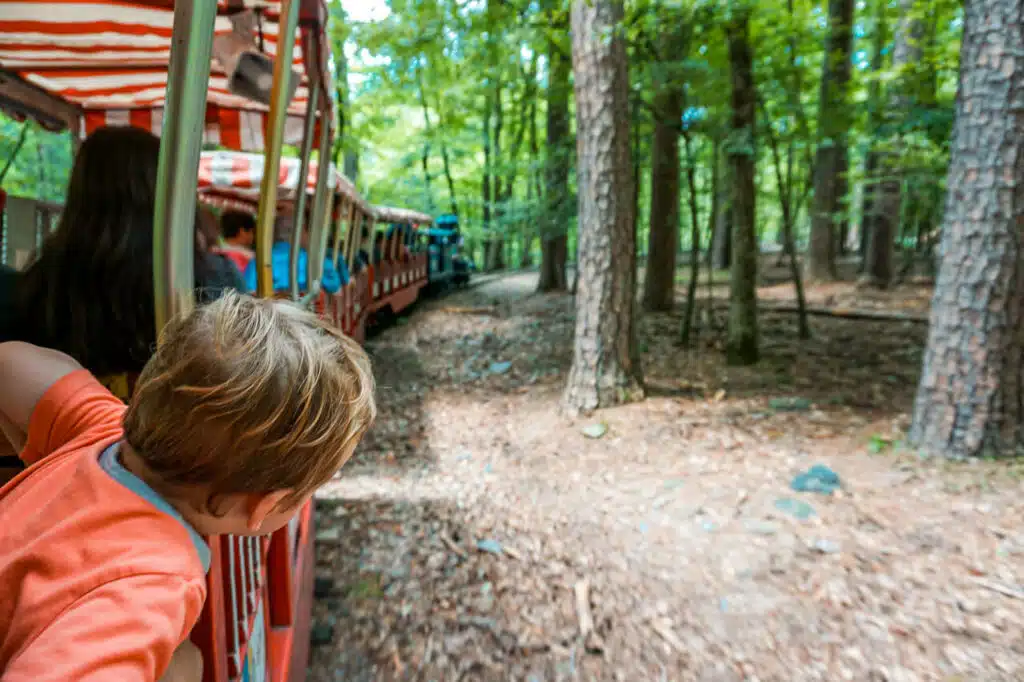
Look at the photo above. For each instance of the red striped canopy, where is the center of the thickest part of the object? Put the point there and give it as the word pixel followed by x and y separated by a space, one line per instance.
pixel 109 58
pixel 237 176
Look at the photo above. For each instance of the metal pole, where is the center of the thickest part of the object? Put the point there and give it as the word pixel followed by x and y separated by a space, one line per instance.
pixel 275 138
pixel 355 231
pixel 321 216
pixel 300 198
pixel 339 229
pixel 174 220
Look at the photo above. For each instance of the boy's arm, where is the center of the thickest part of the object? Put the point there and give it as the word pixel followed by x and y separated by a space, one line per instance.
pixel 128 630
pixel 26 373
pixel 186 664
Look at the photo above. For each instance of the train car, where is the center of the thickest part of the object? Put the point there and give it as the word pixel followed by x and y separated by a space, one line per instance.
pixel 136 63
pixel 381 284
pixel 401 267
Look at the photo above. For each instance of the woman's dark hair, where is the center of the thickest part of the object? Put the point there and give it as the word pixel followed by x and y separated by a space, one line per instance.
pixel 89 291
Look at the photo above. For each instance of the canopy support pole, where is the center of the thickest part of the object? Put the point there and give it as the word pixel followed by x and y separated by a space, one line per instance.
pixel 356 221
pixel 174 220
pixel 321 216
pixel 275 139
pixel 309 129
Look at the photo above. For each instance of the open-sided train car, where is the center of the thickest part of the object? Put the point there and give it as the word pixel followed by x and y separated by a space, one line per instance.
pixel 89 63
pixel 385 279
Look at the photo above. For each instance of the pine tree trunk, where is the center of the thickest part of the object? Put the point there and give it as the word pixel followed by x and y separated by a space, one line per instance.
pixel 605 369
pixel 742 339
pixel 663 234
pixel 485 182
pixel 721 245
pixel 716 179
pixel 888 200
pixel 876 105
pixel 970 401
pixel 830 158
pixel 529 232
pixel 554 224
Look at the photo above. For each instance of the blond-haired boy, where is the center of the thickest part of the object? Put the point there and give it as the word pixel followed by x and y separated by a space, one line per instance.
pixel 245 409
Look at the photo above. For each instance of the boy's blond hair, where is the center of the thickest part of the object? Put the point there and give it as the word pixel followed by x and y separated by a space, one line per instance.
pixel 250 395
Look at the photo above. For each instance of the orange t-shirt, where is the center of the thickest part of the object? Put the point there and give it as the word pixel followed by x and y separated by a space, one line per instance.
pixel 100 578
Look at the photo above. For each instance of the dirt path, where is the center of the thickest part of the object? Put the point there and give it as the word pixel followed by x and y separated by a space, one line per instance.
pixel 477 531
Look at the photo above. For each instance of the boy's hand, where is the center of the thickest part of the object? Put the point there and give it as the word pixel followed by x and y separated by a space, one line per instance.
pixel 186 664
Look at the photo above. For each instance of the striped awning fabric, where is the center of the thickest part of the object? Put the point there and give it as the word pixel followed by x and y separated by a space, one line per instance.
pixel 238 175
pixel 109 59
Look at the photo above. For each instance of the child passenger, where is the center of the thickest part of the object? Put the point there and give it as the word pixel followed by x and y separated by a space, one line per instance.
pixel 244 410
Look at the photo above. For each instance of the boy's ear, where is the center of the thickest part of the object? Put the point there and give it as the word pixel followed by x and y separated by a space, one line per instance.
pixel 262 506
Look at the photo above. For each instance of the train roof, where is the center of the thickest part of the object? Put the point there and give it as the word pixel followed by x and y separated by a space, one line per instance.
pixel 389 214
pixel 82 64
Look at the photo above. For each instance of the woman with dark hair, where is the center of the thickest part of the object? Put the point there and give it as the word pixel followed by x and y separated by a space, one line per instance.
pixel 89 292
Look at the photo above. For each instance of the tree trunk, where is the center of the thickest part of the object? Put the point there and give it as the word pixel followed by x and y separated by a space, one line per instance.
pixel 721 246
pixel 345 150
pixel 868 215
pixel 496 255
pixel 693 201
pixel 970 400
pixel 663 231
pixel 526 259
pixel 605 368
pixel 888 200
pixel 742 339
pixel 485 184
pixel 425 158
pixel 351 166
pixel 833 129
pixel 554 223
pixel 784 181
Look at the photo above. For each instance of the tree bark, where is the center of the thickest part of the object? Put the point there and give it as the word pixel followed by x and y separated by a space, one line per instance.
pixel 345 150
pixel 605 368
pixel 833 129
pixel 741 346
pixel 663 231
pixel 526 259
pixel 907 51
pixel 692 200
pixel 970 400
pixel 554 224
pixel 721 245
pixel 496 254
pixel 485 184
pixel 784 181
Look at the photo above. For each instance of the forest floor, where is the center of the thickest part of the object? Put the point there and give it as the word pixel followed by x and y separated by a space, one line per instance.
pixel 479 535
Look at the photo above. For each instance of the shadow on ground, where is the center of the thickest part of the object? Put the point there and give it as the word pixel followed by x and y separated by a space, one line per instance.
pixel 396 442
pixel 418 597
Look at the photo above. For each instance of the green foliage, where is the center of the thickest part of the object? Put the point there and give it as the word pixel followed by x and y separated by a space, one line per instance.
pixel 42 165
pixel 417 87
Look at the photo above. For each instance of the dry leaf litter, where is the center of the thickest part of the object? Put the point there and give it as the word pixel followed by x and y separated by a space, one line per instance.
pixel 478 535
